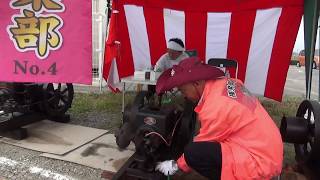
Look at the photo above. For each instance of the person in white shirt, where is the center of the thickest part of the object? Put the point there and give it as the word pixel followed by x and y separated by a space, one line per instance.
pixel 175 54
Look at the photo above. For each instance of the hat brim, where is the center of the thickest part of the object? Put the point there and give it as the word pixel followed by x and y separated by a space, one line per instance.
pixel 167 80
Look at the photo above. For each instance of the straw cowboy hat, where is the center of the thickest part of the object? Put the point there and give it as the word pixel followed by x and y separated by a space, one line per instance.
pixel 188 70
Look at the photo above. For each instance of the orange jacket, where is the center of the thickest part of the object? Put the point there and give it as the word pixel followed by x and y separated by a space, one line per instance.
pixel 250 141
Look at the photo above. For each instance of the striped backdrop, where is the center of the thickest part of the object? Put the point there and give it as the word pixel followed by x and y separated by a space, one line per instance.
pixel 258 34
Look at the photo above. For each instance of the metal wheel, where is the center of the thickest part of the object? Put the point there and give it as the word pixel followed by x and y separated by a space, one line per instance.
pixel 310 112
pixel 57 98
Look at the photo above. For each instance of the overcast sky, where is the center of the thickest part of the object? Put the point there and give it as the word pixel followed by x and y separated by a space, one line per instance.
pixel 299 45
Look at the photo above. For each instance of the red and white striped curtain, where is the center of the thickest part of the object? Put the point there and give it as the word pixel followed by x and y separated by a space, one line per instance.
pixel 258 34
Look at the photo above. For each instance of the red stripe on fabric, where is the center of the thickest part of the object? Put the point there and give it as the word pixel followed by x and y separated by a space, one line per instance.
pixel 110 47
pixel 240 35
pixel 109 55
pixel 114 90
pixel 216 6
pixel 155 29
pixel 125 61
pixel 196 27
pixel 286 34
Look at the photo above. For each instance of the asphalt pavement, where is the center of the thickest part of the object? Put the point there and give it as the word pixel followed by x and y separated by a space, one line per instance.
pixel 296 83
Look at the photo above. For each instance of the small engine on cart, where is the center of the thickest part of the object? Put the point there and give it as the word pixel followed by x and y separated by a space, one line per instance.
pixel 25 103
pixel 159 133
pixel 304 132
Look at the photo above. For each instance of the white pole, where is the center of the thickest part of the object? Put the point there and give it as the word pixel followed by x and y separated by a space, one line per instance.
pixel 100 37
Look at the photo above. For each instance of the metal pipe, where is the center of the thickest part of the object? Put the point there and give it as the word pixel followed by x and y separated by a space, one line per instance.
pixel 294 130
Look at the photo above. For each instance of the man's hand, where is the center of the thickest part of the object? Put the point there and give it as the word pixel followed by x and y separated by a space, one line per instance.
pixel 168 167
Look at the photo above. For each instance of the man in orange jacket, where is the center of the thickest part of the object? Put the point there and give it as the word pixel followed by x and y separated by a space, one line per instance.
pixel 237 137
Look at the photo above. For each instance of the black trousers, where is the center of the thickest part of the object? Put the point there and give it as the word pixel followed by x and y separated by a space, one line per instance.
pixel 205 158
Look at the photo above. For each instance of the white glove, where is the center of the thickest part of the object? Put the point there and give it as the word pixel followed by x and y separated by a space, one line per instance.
pixel 168 167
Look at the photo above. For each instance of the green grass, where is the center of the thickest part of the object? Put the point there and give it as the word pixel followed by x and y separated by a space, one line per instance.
pixel 111 103
pixel 288 107
pixel 106 102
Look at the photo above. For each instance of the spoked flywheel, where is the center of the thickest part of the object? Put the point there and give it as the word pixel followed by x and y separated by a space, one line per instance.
pixel 309 111
pixel 57 98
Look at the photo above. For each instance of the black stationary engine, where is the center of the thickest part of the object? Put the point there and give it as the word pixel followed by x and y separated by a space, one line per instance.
pixel 304 132
pixel 25 103
pixel 158 132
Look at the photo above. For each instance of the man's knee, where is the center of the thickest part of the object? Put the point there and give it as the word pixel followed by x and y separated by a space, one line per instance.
pixel 198 152
pixel 205 158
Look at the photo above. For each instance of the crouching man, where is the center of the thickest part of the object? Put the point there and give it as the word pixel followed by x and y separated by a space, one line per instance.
pixel 237 137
